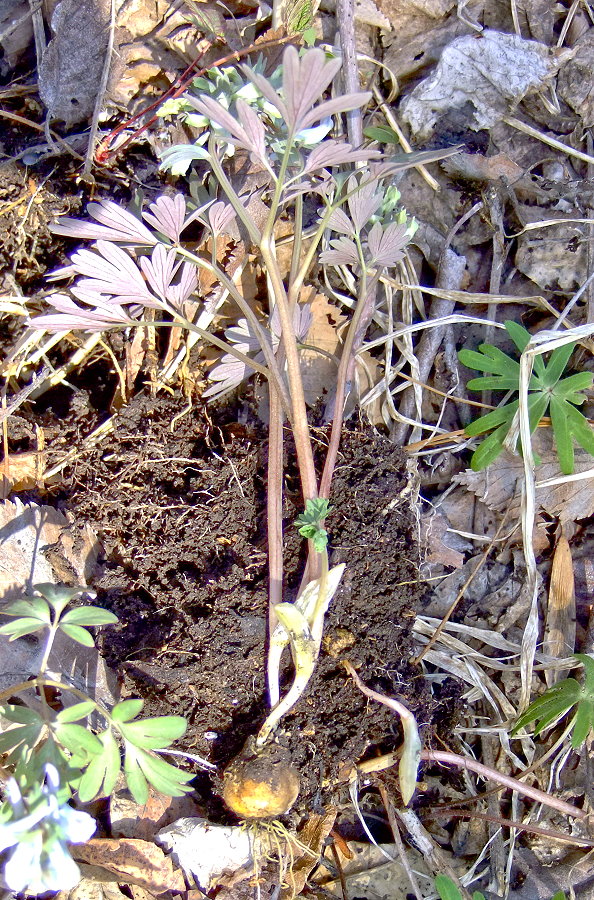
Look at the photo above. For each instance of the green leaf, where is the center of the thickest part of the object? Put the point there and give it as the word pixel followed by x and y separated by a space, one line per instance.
pixel 499 416
pixel 581 381
pixel 562 433
pixel 493 383
pixel 101 775
pixel 491 359
pixel 21 627
pixel 584 721
pixel 446 888
pixel 59 595
pixel 89 615
pixel 488 451
pixel 580 429
pixel 556 364
pixel 77 739
pixel 163 776
pixel 154 733
pixel 382 134
pixel 78 634
pixel 25 735
pixel 588 664
pixel 127 710
pixel 76 712
pixel 518 334
pixel 34 607
pixel 21 714
pixel 137 783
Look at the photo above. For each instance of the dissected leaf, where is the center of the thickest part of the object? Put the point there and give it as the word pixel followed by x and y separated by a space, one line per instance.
pixel 154 733
pixel 100 776
pixel 127 710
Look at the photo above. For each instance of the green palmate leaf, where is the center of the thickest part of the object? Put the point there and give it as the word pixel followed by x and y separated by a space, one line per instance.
pixel 88 616
pixel 127 710
pixel 77 739
pixel 493 383
pixel 76 712
pixel 101 774
pixel 580 429
pixel 20 737
pixel 489 449
pixel 570 387
pixel 137 783
pixel 21 714
pixel 561 430
pixel 21 627
pixel 34 607
pixel 78 634
pixel 556 365
pixel 154 733
pixel 518 334
pixel 501 415
pixel 59 595
pixel 162 775
pixel 584 721
pixel 491 360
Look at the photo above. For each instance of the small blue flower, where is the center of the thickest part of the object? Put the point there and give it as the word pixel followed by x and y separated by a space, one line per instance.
pixel 41 860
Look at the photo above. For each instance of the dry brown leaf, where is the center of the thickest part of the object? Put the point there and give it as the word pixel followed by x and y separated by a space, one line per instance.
pixel 575 84
pixel 500 485
pixel 480 79
pixel 560 628
pixel 313 836
pixel 22 472
pixel 434 530
pixel 16 32
pixel 319 372
pixel 132 861
pixel 545 258
pixel 131 820
pixel 72 65
pixel 483 168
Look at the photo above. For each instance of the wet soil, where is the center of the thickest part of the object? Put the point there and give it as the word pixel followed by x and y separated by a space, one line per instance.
pixel 179 504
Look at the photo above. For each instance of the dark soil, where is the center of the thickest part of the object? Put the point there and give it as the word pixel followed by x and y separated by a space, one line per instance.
pixel 180 509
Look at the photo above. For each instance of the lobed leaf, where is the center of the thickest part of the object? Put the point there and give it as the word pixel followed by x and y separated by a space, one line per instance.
pixel 26 625
pixel 153 733
pixel 126 710
pixel 556 364
pixel 101 774
pixel 77 739
pixel 76 712
pixel 33 607
pixel 78 634
pixel 89 615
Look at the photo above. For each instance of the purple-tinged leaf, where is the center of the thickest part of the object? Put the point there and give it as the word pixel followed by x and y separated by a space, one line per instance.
pixel 213 110
pixel 267 91
pixel 168 216
pixel 70 317
pixel 333 107
pixel 110 270
pixel 343 252
pixel 116 224
pixel 179 293
pixel 304 81
pixel 335 153
pixel 253 128
pixel 386 245
pixel 364 202
pixel 160 269
pixel 220 216
pixel 340 222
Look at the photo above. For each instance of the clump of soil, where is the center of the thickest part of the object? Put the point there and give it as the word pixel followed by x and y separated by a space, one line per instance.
pixel 180 509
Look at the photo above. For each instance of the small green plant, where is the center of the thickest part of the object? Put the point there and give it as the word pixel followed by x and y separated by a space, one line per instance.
pixel 559 700
pixel 447 890
pixel 547 390
pixel 52 757
pixel 309 523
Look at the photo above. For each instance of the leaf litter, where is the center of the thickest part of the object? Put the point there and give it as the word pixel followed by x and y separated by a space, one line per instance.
pixel 480 647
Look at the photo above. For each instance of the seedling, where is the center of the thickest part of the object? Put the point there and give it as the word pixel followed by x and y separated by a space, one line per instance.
pixel 53 757
pixel 547 390
pixel 447 890
pixel 559 700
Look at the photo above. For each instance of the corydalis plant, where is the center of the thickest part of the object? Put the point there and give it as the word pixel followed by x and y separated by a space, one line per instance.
pixel 375 233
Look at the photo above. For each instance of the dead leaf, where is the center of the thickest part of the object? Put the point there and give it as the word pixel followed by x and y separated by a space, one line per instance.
pixel 205 851
pixel 560 628
pixel 72 65
pixel 483 168
pixel 555 259
pixel 131 820
pixel 482 78
pixel 319 372
pixel 22 472
pixel 434 531
pixel 500 485
pixel 132 861
pixel 574 84
pixel 16 32
pixel 312 836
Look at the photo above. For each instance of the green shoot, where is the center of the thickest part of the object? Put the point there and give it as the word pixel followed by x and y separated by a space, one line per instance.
pixel 309 523
pixel 547 390
pixel 559 700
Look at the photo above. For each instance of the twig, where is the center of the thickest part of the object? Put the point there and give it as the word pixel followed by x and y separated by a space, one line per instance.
pixel 345 15
pixel 90 156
